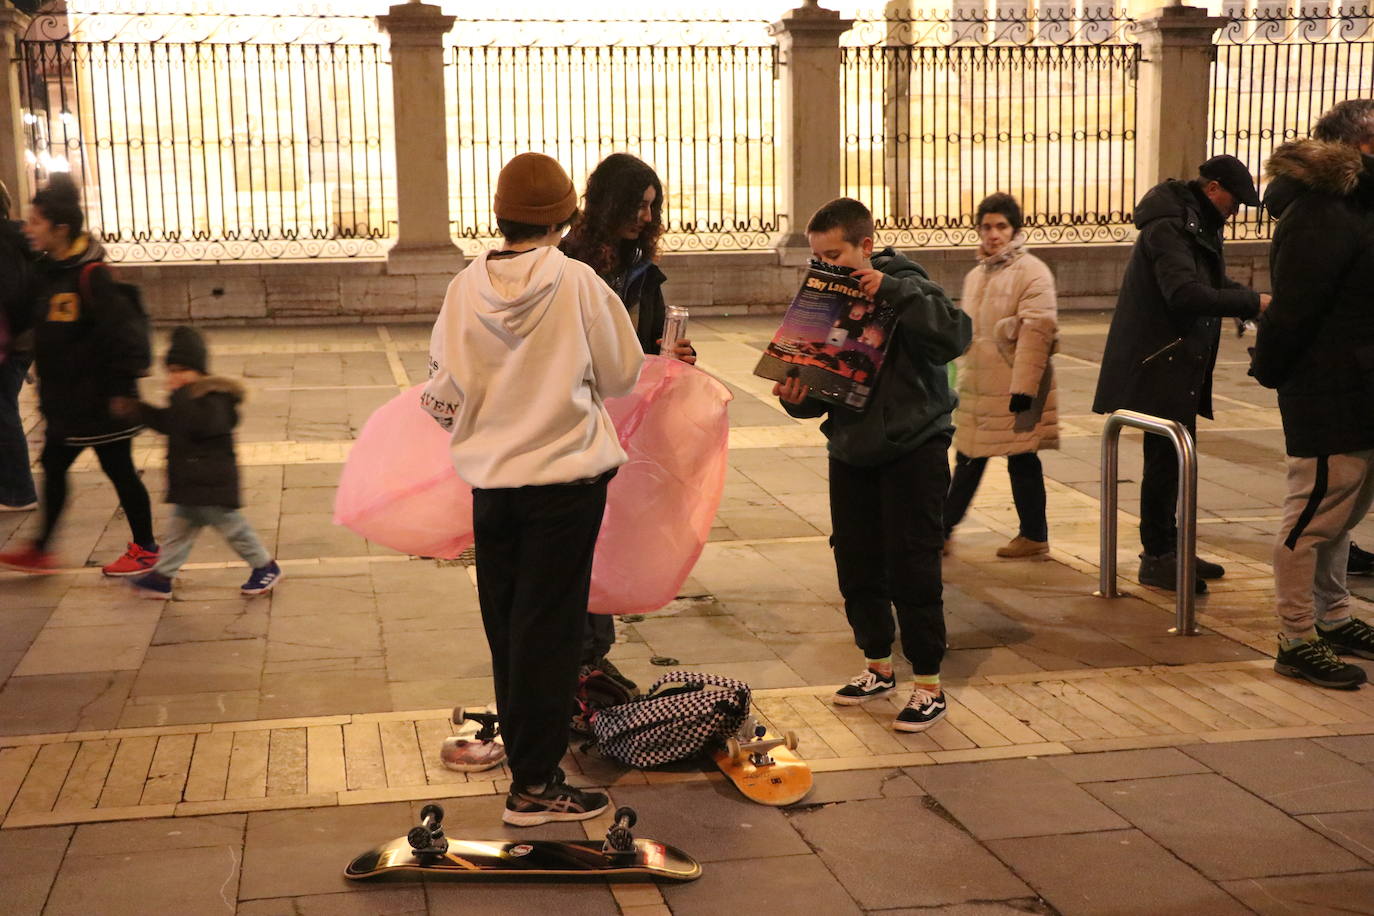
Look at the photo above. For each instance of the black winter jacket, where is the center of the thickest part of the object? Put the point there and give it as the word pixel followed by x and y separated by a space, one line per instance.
pixel 1166 329
pixel 911 402
pixel 86 350
pixel 642 284
pixel 199 424
pixel 1316 339
pixel 18 273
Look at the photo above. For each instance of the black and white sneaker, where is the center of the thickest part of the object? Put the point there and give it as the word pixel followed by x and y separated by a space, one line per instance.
pixel 867 686
pixel 262 580
pixel 922 711
pixel 1316 662
pixel 557 801
pixel 1354 637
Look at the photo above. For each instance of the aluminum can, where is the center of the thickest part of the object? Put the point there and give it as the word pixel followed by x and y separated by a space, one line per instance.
pixel 674 327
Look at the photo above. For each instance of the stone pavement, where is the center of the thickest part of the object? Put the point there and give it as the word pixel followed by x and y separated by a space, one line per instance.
pixel 1091 762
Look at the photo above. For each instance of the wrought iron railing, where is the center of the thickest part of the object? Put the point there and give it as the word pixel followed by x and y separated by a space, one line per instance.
pixel 939 113
pixel 696 100
pixel 194 139
pixel 1275 73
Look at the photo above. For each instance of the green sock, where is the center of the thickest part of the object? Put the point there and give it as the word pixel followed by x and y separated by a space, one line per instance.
pixel 929 682
pixel 879 664
pixel 1292 642
pixel 1324 625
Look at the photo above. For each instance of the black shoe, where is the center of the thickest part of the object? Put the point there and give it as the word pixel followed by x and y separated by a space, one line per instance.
pixel 867 686
pixel 609 669
pixel 1352 638
pixel 557 801
pixel 1206 569
pixel 1314 661
pixel 1162 572
pixel 1361 562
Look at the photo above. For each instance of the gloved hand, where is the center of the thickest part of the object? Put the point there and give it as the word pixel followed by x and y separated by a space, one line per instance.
pixel 1020 403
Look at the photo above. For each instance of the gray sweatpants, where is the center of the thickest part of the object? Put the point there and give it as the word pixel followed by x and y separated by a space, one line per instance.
pixel 1327 497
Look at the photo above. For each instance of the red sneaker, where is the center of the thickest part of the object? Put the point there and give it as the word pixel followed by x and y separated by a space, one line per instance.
pixel 134 561
pixel 30 560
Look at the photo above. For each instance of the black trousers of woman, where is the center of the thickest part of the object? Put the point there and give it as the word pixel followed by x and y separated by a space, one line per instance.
pixel 117 461
pixel 1027 492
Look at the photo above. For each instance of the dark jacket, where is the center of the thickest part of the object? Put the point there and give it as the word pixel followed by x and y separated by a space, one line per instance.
pixel 86 349
pixel 1316 339
pixel 199 424
pixel 18 275
pixel 642 285
pixel 1166 329
pixel 911 401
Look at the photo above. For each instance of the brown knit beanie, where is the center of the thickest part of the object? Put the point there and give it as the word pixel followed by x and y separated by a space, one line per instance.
pixel 533 189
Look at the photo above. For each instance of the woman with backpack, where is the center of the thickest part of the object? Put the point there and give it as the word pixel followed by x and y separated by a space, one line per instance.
pixel 90 347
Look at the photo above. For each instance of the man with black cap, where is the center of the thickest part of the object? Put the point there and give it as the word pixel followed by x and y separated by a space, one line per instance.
pixel 527 347
pixel 1165 333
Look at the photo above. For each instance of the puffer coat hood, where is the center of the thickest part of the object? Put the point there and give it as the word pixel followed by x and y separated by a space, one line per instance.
pixel 199 421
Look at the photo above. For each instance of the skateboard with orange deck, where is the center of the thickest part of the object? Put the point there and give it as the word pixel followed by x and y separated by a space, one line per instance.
pixel 765 768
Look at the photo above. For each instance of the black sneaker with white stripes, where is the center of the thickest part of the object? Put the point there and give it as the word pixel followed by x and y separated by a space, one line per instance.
pixel 556 801
pixel 1315 661
pixel 922 711
pixel 1360 563
pixel 867 686
pixel 1355 637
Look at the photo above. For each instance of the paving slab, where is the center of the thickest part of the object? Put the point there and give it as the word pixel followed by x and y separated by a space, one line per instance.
pixel 203 881
pixel 856 785
pixel 1220 829
pixel 1301 777
pixel 201 667
pixel 159 835
pixel 63 702
pixel 1353 830
pixel 710 820
pixel 1359 748
pixel 1119 872
pixel 32 858
pixel 938 863
pixel 297 853
pixel 1310 895
pixel 767 887
pixel 1140 764
pixel 1010 798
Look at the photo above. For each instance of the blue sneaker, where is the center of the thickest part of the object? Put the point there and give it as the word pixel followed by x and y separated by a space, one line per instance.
pixel 152 585
pixel 263 579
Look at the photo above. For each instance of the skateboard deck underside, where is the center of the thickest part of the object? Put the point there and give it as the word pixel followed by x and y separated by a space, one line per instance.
pixel 506 858
pixel 783 782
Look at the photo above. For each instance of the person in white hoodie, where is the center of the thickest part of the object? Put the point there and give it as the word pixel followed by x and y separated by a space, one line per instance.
pixel 527 347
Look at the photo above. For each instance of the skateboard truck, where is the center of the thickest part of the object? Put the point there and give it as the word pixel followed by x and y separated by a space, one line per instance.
pixel 428 837
pixel 758 748
pixel 620 842
pixel 489 722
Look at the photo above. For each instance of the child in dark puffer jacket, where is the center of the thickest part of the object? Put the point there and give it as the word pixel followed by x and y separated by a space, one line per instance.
pixel 202 471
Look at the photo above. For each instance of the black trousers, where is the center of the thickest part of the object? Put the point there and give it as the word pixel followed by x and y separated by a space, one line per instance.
pixel 534 550
pixel 117 461
pixel 888 524
pixel 1159 495
pixel 597 637
pixel 1027 492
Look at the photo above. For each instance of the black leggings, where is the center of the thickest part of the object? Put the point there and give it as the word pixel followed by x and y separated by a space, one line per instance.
pixel 117 461
pixel 1027 492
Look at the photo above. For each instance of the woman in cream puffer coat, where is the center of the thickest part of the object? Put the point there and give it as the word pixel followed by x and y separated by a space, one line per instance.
pixel 1007 401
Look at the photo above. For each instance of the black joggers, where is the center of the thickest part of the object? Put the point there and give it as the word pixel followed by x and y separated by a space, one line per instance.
pixel 534 571
pixel 117 461
pixel 888 524
pixel 1159 495
pixel 1027 492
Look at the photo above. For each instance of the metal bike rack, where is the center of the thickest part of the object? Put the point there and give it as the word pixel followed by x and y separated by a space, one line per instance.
pixel 1178 434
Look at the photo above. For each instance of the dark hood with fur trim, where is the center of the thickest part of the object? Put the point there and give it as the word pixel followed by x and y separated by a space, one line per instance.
pixel 199 424
pixel 1316 340
pixel 1300 166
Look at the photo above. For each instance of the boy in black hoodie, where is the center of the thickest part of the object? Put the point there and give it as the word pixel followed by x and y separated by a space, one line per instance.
pixel 889 468
pixel 202 472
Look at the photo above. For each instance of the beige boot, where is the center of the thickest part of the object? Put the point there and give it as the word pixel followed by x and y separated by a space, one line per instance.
pixel 1022 547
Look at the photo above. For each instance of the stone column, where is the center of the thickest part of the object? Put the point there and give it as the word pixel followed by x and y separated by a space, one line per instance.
pixel 809 133
pixel 424 243
pixel 1173 93
pixel 14 170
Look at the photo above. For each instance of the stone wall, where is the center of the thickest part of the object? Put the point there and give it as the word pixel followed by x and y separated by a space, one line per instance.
pixel 256 292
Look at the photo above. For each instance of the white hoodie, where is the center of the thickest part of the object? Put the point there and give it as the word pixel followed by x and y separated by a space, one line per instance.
pixel 524 351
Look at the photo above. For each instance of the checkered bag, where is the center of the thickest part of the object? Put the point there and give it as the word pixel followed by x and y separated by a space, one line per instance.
pixel 684 714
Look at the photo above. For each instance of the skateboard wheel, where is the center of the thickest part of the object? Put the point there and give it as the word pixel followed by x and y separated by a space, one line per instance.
pixel 627 814
pixel 789 741
pixel 434 811
pixel 733 749
pixel 460 715
pixel 419 838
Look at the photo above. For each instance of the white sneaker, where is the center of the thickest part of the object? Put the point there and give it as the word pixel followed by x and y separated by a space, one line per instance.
pixel 468 755
pixel 6 507
pixel 867 686
pixel 923 710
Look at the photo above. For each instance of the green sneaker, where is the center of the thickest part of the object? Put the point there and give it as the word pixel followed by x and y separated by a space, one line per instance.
pixel 1314 661
pixel 1355 637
